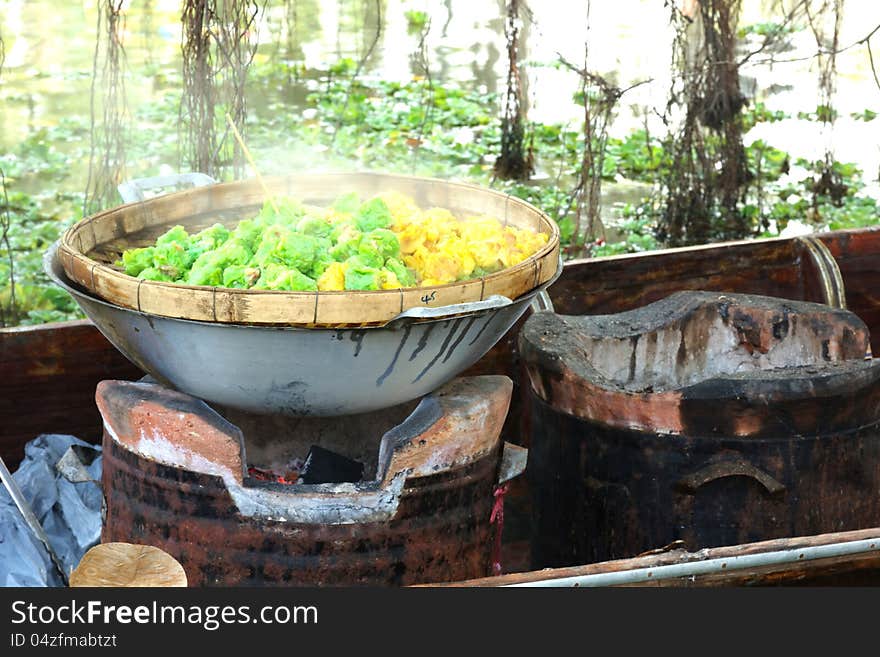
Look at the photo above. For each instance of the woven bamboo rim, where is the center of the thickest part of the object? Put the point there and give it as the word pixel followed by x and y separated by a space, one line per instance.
pixel 89 248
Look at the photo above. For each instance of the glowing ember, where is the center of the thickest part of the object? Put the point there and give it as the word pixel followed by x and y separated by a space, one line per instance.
pixel 289 477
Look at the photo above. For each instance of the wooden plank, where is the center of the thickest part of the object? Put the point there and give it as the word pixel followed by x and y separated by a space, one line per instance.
pixel 827 570
pixel 857 253
pixel 611 285
pixel 48 376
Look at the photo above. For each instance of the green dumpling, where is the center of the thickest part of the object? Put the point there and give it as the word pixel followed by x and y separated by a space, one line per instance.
pixel 240 276
pixel 282 246
pixel 267 248
pixel 348 203
pixel 346 240
pixel 278 277
pixel 404 274
pixel 207 270
pixel 289 210
pixel 268 273
pixel 314 226
pixel 359 275
pixel 172 259
pixel 297 250
pixel 134 261
pixel 154 274
pixel 323 259
pixel 204 241
pixel 234 252
pixel 175 234
pixel 248 232
pixel 381 243
pixel 296 281
pixel 373 214
pixel 212 236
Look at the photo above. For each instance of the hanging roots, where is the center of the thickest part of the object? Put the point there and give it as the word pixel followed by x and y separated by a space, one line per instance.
pixel 600 100
pixel 109 135
pixel 422 65
pixel 516 161
pixel 292 43
pixel 147 32
pixel 8 305
pixel 830 182
pixel 368 54
pixel 707 182
pixel 217 52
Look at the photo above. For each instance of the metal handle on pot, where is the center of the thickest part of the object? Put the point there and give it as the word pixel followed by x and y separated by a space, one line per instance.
pixel 133 190
pixel 728 467
pixel 542 301
pixel 421 313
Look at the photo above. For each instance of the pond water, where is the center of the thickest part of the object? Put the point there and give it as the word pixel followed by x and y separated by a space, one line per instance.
pixel 50 46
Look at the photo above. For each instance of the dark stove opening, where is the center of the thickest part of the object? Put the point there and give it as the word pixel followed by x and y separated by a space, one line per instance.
pixel 276 447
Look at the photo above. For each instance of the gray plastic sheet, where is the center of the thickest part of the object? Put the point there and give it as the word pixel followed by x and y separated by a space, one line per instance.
pixel 60 478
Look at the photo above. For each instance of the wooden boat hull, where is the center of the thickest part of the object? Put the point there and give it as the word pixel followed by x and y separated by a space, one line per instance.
pixel 48 374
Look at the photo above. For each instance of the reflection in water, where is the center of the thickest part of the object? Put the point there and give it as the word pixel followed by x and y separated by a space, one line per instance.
pixel 49 46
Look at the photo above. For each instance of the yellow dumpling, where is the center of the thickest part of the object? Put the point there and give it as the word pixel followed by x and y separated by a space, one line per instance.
pixel 333 277
pixel 389 280
pixel 401 207
pixel 435 223
pixel 487 255
pixel 416 260
pixel 441 249
pixel 411 238
pixel 459 250
pixel 440 267
pixel 510 257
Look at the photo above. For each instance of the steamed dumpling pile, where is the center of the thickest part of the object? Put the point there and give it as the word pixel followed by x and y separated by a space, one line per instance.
pixel 385 242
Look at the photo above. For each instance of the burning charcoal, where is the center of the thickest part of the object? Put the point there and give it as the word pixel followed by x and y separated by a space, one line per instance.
pixel 325 467
pixel 261 474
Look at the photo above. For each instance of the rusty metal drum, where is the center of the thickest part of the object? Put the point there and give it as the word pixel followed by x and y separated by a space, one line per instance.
pixel 175 476
pixel 704 418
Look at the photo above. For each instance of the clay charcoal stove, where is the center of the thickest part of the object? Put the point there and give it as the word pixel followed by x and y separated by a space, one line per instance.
pixel 393 497
pixel 705 418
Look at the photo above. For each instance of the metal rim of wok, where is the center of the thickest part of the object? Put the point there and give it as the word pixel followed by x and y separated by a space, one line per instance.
pixel 86 246
pixel 295 370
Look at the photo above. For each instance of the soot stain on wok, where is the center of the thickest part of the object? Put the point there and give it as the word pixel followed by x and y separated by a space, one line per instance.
pixel 460 337
pixel 443 347
pixel 388 371
pixel 483 328
pixel 423 342
pixel 290 397
pixel 358 338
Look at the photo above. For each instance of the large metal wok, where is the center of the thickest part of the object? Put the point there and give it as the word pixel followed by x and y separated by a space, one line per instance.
pixel 304 371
